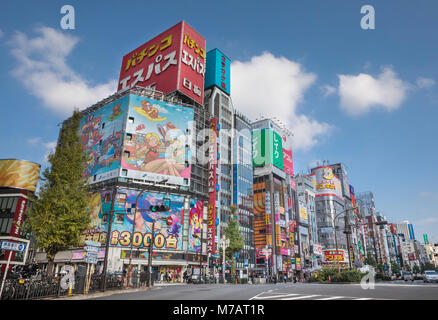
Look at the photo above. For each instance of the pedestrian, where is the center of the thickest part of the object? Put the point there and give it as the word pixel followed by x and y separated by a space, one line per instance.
pixel 185 276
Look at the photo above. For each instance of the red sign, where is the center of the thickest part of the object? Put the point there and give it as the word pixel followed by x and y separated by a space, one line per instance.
pixel 174 60
pixel 288 166
pixel 18 217
pixel 212 180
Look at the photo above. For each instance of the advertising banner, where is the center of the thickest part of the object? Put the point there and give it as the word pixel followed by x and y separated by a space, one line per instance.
pixel 173 60
pixel 195 225
pixel 18 217
pixel 167 228
pixel 157 146
pixel 327 184
pixel 101 134
pixel 218 71
pixel 212 181
pixel 303 212
pixel 20 174
pixel 277 150
pixel 288 166
pixel 331 256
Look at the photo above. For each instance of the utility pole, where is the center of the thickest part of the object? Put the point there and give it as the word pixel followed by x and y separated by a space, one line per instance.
pixel 151 244
pixel 108 235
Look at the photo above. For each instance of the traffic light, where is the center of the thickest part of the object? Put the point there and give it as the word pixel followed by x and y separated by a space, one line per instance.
pixel 160 208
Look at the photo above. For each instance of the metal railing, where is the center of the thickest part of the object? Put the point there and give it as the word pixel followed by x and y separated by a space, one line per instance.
pixel 39 288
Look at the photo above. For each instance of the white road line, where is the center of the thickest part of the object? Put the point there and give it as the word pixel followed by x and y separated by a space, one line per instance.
pixel 363 299
pixel 277 296
pixel 331 298
pixel 301 297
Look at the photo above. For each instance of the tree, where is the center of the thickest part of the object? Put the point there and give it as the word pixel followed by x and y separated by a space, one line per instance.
pixel 59 213
pixel 370 260
pixel 395 268
pixel 416 269
pixel 232 232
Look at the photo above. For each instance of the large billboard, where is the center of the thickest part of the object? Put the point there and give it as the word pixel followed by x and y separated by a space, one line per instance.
pixel 173 60
pixel 157 143
pixel 101 135
pixel 167 228
pixel 218 71
pixel 267 148
pixel 20 174
pixel 327 184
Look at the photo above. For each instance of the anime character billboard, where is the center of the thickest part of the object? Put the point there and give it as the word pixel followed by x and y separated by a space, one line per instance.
pixel 195 225
pixel 157 143
pixel 167 225
pixel 101 135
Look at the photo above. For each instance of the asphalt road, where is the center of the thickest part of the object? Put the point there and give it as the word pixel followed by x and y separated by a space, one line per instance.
pixel 396 290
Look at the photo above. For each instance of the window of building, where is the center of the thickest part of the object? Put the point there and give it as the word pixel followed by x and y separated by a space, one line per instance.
pixel 119 218
pixel 131 119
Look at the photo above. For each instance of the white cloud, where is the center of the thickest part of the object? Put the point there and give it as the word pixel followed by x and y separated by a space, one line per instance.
pixel 359 94
pixel 1 33
pixel 272 86
pixel 425 82
pixel 328 90
pixel 43 69
pixel 50 148
pixel 34 141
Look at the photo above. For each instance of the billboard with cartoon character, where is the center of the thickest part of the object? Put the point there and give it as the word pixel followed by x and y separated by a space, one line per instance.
pixel 167 225
pixel 157 142
pixel 101 135
pixel 195 225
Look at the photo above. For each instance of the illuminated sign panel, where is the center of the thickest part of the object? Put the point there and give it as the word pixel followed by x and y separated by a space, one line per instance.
pixel 327 184
pixel 173 60
pixel 212 180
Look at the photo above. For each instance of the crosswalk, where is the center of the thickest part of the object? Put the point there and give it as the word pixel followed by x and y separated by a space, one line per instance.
pixel 297 296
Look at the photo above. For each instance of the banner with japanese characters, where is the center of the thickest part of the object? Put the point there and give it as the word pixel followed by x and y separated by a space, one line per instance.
pixel 173 60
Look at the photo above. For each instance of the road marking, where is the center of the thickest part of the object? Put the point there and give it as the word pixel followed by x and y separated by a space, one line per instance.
pixel 277 296
pixel 363 299
pixel 301 297
pixel 331 298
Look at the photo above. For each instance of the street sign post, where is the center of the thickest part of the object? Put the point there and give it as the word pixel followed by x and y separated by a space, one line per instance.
pixel 91 248
pixel 17 245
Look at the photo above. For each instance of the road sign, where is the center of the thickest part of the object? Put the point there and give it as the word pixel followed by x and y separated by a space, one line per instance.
pixel 93 243
pixel 245 263
pixel 14 246
pixel 90 260
pixel 91 255
pixel 91 249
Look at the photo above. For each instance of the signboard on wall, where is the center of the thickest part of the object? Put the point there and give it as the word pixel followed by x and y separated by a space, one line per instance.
pixel 267 148
pixel 218 71
pixel 101 134
pixel 212 181
pixel 173 60
pixel 327 184
pixel 20 174
pixel 156 143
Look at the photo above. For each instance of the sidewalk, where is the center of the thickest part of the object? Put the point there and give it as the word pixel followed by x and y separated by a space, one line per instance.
pixel 115 291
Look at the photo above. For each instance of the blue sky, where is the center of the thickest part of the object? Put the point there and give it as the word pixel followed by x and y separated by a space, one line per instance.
pixel 367 98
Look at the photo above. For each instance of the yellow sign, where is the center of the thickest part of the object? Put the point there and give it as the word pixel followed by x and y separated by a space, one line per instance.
pixel 303 213
pixel 19 174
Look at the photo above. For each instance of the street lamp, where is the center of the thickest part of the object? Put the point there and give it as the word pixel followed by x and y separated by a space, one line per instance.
pixel 224 243
pixel 334 219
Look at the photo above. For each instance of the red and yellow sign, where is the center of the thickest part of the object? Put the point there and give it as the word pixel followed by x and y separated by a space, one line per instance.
pixel 212 180
pixel 330 255
pixel 174 60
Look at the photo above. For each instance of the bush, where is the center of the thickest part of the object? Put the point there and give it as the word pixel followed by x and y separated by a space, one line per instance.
pixel 382 277
pixel 345 275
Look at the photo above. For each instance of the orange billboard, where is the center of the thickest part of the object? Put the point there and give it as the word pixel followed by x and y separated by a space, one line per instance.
pixel 20 174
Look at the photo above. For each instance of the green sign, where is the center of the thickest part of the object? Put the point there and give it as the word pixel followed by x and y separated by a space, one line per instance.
pixel 277 150
pixel 267 148
pixel 426 239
